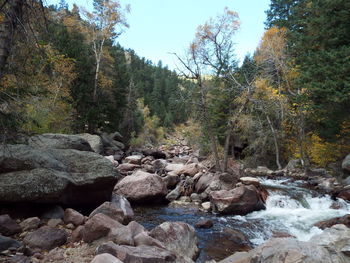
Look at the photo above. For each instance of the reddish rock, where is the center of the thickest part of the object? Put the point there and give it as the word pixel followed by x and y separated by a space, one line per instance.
pixel 140 254
pixel 74 217
pixel 238 201
pixel 334 221
pixel 121 236
pixel 105 258
pixel 77 234
pixel 127 167
pixel 141 187
pixel 204 224
pixel 134 159
pixel 30 223
pixel 8 226
pixel 135 228
pixel 344 194
pixel 189 169
pixel 111 210
pixel 99 226
pixel 46 238
pixel 177 237
pixel 145 239
pixel 171 180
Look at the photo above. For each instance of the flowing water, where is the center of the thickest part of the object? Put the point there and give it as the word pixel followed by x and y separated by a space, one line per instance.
pixel 290 210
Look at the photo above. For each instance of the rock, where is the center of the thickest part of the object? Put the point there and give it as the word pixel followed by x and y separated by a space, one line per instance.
pixel 95 142
pixel 147 160
pixel 54 175
pixel 77 234
pixel 292 165
pixel 6 243
pixel 345 220
pixel 116 136
pixel 59 141
pixel 157 154
pixel 124 206
pixel 135 228
pixel 188 169
pixel 127 167
pixel 74 217
pixel 8 226
pixel 204 182
pixel 54 212
pixel 121 236
pixel 54 222
pixel 206 223
pixel 195 198
pixel 206 206
pixel 111 210
pixel 145 239
pixel 105 258
pixel 30 223
pixel 141 187
pixel 250 180
pixel 344 194
pixel 329 246
pixel 346 164
pixel 177 237
pixel 174 194
pixel 99 226
pixel 238 201
pixel 134 159
pixel 109 142
pixel 140 254
pixel 171 180
pixel 159 165
pixel 46 238
pixel 174 167
pixel 20 259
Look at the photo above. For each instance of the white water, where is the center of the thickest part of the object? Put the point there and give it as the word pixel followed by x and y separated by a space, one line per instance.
pixel 296 217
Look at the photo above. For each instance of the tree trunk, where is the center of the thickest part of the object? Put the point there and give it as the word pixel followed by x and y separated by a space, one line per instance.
pixel 227 145
pixel 12 12
pixel 275 142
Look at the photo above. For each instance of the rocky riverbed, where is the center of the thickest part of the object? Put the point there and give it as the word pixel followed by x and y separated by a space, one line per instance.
pixel 85 198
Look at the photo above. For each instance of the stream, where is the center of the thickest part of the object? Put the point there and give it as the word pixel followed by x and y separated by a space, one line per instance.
pixel 291 210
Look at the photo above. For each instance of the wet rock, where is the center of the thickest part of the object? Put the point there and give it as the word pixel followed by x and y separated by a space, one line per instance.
pixel 54 175
pixel 206 223
pixel 59 141
pixel 6 243
pixel 346 164
pixel 74 217
pixel 54 212
pixel 8 226
pixel 344 194
pixel 99 226
pixel 134 159
pixel 141 187
pixel 127 167
pixel 30 223
pixel 331 222
pixel 250 180
pixel 46 238
pixel 157 154
pixel 95 142
pixel 105 258
pixel 113 211
pixel 238 201
pixel 140 254
pixel 177 237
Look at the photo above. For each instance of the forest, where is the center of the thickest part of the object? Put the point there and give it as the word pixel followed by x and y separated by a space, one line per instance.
pixel 63 71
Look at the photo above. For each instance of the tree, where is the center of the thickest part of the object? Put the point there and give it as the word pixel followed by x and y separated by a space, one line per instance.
pixel 211 54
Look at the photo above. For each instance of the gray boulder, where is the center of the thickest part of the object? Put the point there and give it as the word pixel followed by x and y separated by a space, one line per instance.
pixel 54 175
pixel 95 141
pixel 59 141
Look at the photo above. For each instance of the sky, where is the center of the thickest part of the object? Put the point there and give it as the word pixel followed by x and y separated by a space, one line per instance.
pixel 160 27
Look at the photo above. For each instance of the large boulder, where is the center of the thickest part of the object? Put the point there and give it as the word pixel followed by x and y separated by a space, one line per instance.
pixel 59 141
pixel 95 141
pixel 46 238
pixel 141 187
pixel 54 175
pixel 177 237
pixel 330 246
pixel 238 201
pixel 140 254
pixel 346 164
